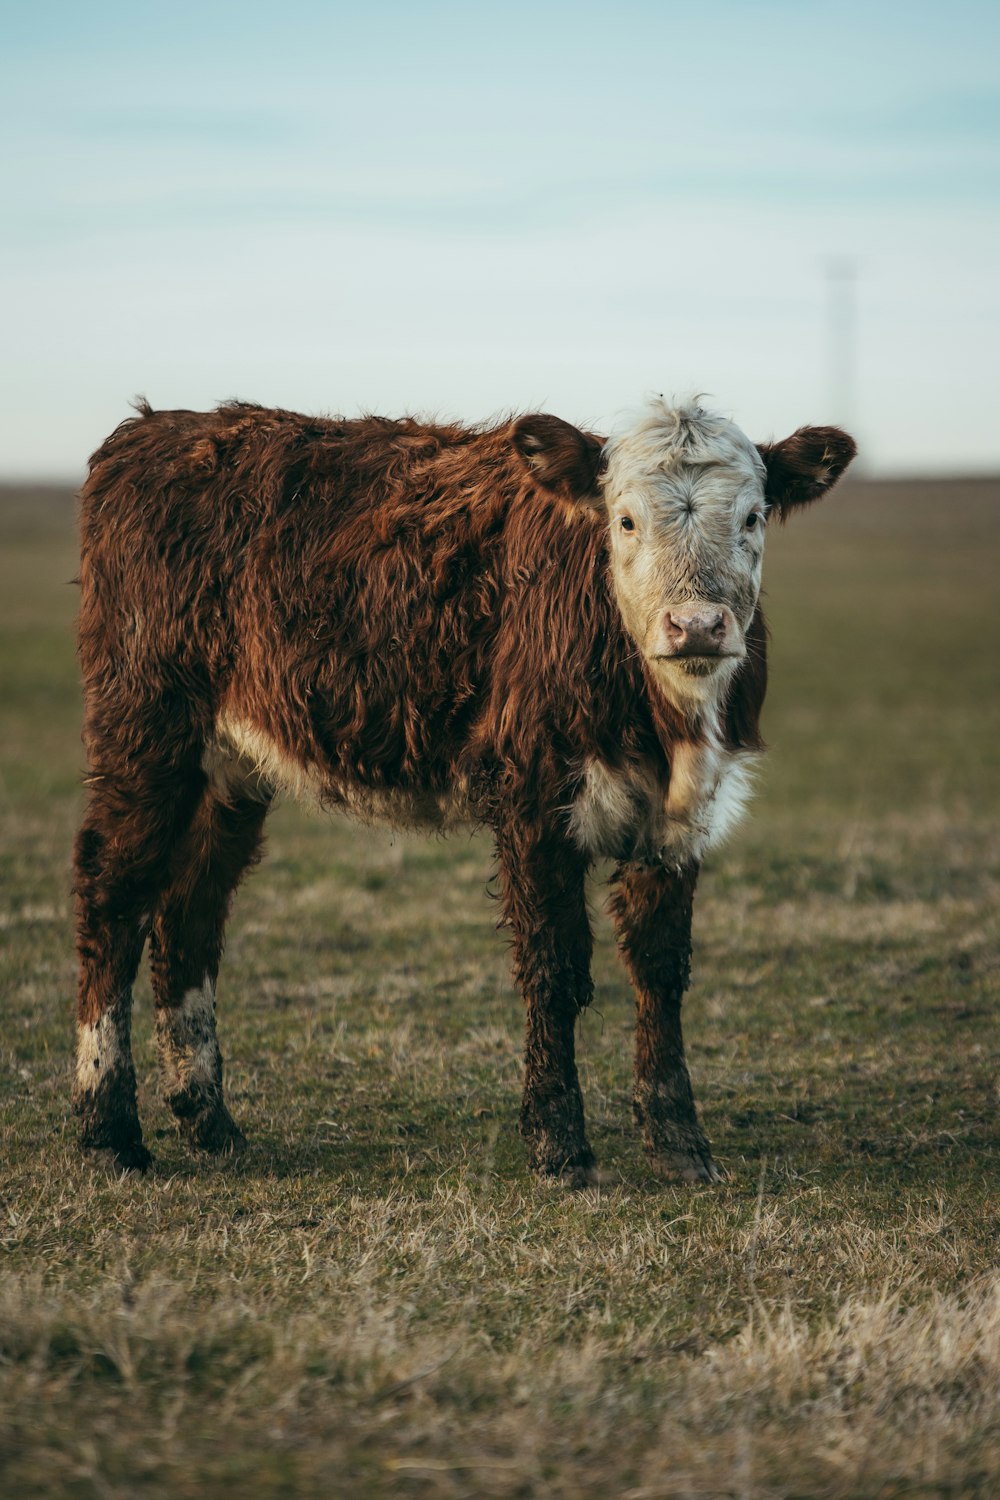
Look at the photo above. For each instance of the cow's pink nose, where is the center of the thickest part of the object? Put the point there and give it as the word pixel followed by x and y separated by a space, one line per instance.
pixel 699 632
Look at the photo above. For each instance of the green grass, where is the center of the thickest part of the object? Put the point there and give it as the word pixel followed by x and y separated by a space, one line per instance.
pixel 379 1299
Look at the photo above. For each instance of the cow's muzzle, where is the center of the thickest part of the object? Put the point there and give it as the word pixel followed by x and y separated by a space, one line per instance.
pixel 698 631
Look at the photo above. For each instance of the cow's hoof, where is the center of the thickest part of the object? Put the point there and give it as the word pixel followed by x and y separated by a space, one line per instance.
pixel 685 1166
pixel 117 1159
pixel 568 1168
pixel 215 1132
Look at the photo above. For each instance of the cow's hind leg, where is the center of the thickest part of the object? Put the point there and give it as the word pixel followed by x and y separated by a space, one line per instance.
pixel 651 908
pixel 543 887
pixel 133 819
pixel 223 841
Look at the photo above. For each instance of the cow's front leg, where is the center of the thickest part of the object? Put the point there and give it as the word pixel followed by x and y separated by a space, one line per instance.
pixel 543 880
pixel 651 908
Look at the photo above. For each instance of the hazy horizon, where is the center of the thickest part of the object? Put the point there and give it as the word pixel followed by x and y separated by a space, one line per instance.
pixel 461 213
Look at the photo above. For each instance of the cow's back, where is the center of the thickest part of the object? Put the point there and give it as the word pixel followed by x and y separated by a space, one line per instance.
pixel 387 603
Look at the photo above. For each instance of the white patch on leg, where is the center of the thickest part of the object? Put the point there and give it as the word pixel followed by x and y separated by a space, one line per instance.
pixel 185 1033
pixel 101 1049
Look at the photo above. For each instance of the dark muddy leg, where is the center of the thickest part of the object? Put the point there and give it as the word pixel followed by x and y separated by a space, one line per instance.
pixel 651 908
pixel 543 894
pixel 132 822
pixel 224 840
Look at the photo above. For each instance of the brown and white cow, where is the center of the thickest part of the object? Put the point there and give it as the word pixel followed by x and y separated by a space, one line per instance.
pixel 517 625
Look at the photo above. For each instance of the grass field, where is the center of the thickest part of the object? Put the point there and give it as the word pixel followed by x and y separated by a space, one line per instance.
pixel 378 1299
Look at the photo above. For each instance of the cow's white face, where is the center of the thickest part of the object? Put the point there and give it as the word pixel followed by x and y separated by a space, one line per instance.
pixel 685 497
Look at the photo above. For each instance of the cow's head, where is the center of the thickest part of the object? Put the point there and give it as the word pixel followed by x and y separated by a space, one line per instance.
pixel 687 498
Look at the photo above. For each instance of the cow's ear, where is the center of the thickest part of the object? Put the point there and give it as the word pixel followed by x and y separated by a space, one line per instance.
pixel 804 466
pixel 558 456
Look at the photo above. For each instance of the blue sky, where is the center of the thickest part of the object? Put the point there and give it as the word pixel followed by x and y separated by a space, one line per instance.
pixel 459 210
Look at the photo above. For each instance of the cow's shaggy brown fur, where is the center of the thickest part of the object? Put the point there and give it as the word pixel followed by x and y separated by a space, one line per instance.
pixel 418 620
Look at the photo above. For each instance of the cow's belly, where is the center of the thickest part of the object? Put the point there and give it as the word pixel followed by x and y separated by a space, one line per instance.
pixel 630 813
pixel 242 760
pixel 618 813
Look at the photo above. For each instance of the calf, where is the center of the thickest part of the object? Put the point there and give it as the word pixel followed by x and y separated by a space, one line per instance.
pixel 519 626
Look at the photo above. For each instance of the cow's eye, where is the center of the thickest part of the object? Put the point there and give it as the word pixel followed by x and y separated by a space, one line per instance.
pixel 627 523
pixel 752 519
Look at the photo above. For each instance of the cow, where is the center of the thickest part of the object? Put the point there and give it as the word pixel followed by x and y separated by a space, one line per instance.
pixel 518 625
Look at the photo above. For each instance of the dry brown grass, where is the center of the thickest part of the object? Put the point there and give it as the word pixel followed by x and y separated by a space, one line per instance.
pixel 378 1299
pixel 146 1384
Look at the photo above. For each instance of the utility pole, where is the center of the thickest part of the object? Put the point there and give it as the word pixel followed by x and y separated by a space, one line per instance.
pixel 842 321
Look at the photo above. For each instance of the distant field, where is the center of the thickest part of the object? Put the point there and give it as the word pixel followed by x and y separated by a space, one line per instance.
pixel 379 1299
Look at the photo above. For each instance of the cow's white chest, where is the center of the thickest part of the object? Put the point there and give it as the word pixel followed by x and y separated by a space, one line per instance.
pixel 630 813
